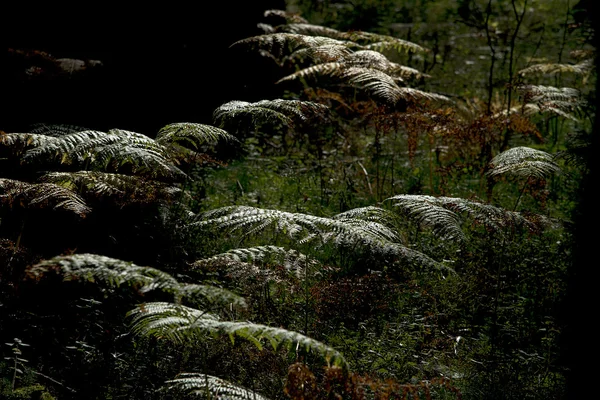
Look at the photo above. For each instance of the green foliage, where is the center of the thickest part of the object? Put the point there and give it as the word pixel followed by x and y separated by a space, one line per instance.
pixel 351 222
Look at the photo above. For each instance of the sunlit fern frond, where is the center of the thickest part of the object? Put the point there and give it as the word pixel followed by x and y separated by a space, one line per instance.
pixel 283 44
pixel 56 129
pixel 523 162
pixel 194 135
pixel 206 296
pixel 179 324
pixel 377 42
pixel 97 150
pixel 106 271
pixel 250 220
pixel 582 68
pixel 582 54
pixel 449 224
pixel 321 54
pixel 346 231
pixel 426 212
pixel 543 94
pixel 15 193
pixel 266 28
pixel 286 112
pixel 292 261
pixel 243 275
pixel 210 387
pixel 290 17
pixel 376 60
pixel 126 188
pixel 378 84
pixel 312 30
pixel 18 143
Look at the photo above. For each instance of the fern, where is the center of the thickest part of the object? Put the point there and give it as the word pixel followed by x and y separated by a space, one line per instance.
pixel 282 44
pixel 446 215
pixel 349 230
pixel 364 40
pixel 125 189
pixel 192 134
pixel 377 83
pixel 111 273
pixel 288 16
pixel 179 324
pixel 41 195
pixel 523 162
pixel 211 387
pixel 103 150
pixel 582 68
pixel 103 270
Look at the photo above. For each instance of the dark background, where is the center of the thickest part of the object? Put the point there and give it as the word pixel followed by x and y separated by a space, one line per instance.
pixel 162 62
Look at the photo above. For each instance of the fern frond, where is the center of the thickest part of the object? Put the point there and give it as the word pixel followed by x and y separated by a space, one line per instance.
pixel 42 195
pixel 540 94
pixel 523 162
pixel 251 220
pixel 283 43
pixel 101 150
pixel 428 211
pixel 183 324
pixel 582 68
pixel 245 259
pixel 375 60
pixel 313 30
pixel 56 129
pixel 192 134
pixel 19 143
pixel 286 112
pixel 201 385
pixel 381 43
pixel 130 189
pixel 374 237
pixel 207 295
pixel 375 82
pixel 288 16
pixel 110 272
pixel 321 54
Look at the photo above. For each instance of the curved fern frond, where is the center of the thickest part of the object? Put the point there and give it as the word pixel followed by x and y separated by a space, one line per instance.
pixel 582 68
pixel 192 134
pixel 321 54
pixel 375 82
pixel 207 295
pixel 18 143
pixel 251 220
pixel 240 259
pixel 286 112
pixel 312 30
pixel 426 211
pixel 41 195
pixel 102 150
pixel 523 162
pixel 541 94
pixel 131 189
pixel 429 211
pixel 110 272
pixel 201 384
pixel 381 43
pixel 288 16
pixel 183 324
pixel 283 43
pixel 56 129
pixel 375 60
pixel 357 232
